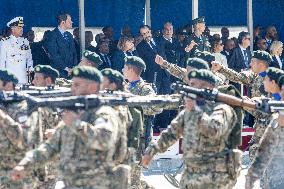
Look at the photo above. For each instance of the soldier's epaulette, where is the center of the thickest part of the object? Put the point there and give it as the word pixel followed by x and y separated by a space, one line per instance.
pixel 5 38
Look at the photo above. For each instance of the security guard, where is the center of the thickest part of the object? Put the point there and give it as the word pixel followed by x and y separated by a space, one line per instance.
pixel 15 52
pixel 197 41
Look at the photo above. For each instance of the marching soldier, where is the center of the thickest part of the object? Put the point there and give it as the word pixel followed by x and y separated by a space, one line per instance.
pixel 15 52
pixel 86 142
pixel 132 70
pixel 205 128
pixel 253 78
pixel 14 133
pixel 197 41
pixel 270 152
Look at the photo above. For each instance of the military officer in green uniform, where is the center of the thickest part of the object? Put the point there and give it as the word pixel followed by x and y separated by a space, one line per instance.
pixel 197 41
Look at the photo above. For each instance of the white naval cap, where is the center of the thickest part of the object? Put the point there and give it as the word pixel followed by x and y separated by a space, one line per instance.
pixel 18 21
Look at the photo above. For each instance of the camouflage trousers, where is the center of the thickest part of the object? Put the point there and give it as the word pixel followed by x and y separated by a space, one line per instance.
pixel 212 180
pixel 136 181
pixel 253 149
pixel 7 183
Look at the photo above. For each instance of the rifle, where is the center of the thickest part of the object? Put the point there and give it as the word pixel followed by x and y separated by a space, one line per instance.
pixel 270 106
pixel 212 95
pixel 49 91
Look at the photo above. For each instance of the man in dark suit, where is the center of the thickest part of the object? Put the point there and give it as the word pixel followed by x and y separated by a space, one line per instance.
pixel 241 55
pixel 169 44
pixel 229 45
pixel 103 52
pixel 147 49
pixel 61 46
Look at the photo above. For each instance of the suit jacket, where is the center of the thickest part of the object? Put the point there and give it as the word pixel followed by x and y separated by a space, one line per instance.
pixel 275 63
pixel 236 62
pixel 105 64
pixel 148 55
pixel 62 51
pixel 118 59
pixel 40 56
pixel 171 49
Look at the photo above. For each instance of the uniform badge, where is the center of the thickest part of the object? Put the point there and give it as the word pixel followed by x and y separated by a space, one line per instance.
pixel 76 71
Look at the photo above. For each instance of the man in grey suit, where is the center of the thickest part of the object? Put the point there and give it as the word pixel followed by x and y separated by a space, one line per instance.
pixel 61 46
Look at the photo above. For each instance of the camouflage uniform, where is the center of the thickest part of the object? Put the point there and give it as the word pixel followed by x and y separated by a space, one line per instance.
pixel 143 89
pixel 181 73
pixel 270 158
pixel 86 150
pixel 15 141
pixel 209 164
pixel 255 82
pixel 45 118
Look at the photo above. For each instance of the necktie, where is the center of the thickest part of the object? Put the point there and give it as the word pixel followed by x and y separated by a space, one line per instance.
pixel 153 46
pixel 246 58
pixel 107 60
pixel 129 53
pixel 65 36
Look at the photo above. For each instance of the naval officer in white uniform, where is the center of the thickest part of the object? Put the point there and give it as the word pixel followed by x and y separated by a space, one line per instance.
pixel 15 52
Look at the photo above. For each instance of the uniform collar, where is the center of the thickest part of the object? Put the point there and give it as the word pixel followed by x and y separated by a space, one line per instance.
pixel 276 96
pixel 61 30
pixel 133 83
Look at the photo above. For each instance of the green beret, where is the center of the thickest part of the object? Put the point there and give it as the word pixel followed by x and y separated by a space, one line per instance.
pixel 47 70
pixel 92 56
pixel 135 61
pixel 114 76
pixel 262 55
pixel 202 74
pixel 280 81
pixel 197 63
pixel 198 20
pixel 87 72
pixel 274 73
pixel 205 55
pixel 7 76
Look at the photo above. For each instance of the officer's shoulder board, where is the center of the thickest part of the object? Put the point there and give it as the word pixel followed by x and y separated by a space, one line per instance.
pixel 5 38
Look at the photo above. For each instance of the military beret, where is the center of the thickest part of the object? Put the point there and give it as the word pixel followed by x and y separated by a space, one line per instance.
pixel 280 81
pixel 205 55
pixel 198 20
pixel 197 63
pixel 87 72
pixel 18 21
pixel 274 73
pixel 92 56
pixel 47 70
pixel 113 75
pixel 7 76
pixel 262 55
pixel 202 74
pixel 135 61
